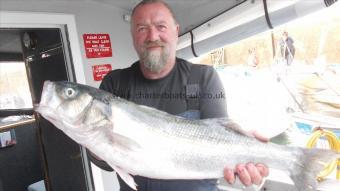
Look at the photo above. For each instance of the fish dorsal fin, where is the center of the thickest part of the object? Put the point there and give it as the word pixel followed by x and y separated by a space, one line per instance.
pixel 229 124
pixel 281 139
pixel 126 177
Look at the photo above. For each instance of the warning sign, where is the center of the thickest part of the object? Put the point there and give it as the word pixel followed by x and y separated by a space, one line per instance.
pixel 97 45
pixel 99 71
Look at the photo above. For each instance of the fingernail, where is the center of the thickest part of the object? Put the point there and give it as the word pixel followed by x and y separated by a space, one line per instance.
pixel 230 180
pixel 240 169
pixel 260 168
pixel 250 166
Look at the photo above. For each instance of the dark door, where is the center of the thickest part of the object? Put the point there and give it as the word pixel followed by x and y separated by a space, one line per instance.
pixel 20 156
pixel 43 52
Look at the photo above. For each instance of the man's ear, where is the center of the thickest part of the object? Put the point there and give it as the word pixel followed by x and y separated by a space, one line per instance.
pixel 177 29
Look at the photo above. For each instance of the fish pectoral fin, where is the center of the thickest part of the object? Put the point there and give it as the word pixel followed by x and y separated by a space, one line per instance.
pixel 127 178
pixel 125 142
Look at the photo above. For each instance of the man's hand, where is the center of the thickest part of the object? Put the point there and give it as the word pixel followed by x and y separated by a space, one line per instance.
pixel 249 173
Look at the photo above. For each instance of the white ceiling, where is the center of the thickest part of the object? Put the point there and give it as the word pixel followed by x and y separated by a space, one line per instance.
pixel 189 14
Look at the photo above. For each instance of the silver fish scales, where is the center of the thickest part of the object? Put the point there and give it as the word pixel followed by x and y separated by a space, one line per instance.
pixel 139 140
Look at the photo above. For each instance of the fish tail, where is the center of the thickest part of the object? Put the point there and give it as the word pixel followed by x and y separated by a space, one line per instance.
pixel 309 163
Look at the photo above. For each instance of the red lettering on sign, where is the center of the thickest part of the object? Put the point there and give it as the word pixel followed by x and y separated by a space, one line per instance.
pixel 99 71
pixel 97 45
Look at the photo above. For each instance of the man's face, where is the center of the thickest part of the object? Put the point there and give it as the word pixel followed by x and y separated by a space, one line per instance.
pixel 155 35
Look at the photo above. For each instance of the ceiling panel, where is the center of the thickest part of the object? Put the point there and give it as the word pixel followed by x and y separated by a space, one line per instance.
pixel 189 14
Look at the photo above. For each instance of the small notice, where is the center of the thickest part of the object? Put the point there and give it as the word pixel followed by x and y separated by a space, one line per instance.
pixel 97 45
pixel 99 71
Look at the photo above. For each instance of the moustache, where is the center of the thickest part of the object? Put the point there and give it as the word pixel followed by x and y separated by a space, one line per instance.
pixel 149 44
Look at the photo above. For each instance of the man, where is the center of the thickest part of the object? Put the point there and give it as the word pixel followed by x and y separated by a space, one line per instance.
pixel 162 81
pixel 287 48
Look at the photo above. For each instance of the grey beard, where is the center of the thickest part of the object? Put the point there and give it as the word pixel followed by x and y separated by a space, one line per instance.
pixel 155 62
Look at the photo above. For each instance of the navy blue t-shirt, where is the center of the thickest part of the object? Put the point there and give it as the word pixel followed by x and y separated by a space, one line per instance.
pixel 170 94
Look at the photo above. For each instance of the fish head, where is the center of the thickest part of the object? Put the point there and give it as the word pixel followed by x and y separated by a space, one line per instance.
pixel 68 105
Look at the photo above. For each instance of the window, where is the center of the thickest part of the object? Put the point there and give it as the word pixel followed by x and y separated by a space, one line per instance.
pixel 14 88
pixel 14 94
pixel 290 75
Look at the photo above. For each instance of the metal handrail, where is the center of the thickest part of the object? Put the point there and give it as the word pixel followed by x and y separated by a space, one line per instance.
pixel 14 124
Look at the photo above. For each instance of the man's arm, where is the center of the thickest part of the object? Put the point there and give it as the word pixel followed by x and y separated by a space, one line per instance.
pixel 213 105
pixel 212 95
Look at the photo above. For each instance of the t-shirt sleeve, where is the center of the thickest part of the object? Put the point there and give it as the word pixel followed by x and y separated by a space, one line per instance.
pixel 108 83
pixel 117 82
pixel 212 101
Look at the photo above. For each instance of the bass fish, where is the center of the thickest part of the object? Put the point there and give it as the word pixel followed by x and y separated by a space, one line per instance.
pixel 140 140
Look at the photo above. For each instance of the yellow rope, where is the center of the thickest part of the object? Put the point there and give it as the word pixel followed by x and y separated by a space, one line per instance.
pixel 334 144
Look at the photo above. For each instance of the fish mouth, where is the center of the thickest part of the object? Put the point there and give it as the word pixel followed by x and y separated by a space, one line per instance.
pixel 44 111
pixel 42 108
pixel 49 114
pixel 47 88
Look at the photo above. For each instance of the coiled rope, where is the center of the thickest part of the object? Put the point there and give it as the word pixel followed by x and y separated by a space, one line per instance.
pixel 334 144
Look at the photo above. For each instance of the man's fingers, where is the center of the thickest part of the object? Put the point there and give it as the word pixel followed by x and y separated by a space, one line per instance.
pixel 248 174
pixel 260 137
pixel 229 175
pixel 263 169
pixel 254 174
pixel 243 174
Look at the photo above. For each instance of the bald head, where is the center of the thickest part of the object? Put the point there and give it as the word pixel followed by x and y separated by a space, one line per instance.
pixel 145 2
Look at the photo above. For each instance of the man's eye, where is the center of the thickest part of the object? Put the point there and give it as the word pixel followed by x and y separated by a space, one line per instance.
pixel 161 27
pixel 141 29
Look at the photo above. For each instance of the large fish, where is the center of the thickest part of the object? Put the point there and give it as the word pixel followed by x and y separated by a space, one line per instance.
pixel 139 140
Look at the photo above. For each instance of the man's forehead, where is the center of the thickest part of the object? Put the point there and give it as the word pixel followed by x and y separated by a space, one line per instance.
pixel 146 22
pixel 153 10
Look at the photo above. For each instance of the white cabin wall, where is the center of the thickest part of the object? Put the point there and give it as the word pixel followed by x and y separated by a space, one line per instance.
pixel 90 18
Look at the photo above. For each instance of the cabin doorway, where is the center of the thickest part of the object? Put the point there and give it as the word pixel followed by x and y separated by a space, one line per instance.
pixel 40 157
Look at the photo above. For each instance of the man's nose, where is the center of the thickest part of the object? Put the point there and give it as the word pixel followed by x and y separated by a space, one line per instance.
pixel 153 34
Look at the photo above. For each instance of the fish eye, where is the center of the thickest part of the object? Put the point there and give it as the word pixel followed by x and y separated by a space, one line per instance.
pixel 69 92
